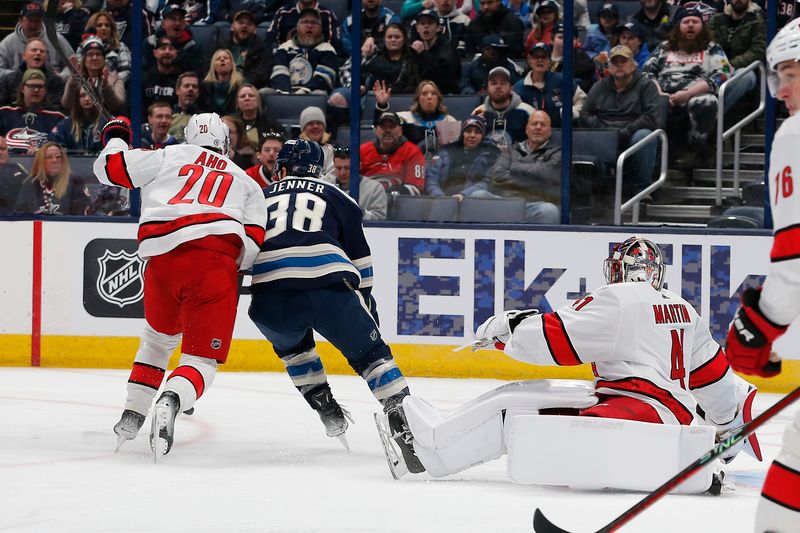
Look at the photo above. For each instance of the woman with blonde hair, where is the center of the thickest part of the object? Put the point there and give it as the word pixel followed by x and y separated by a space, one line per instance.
pixel 80 131
pixel 51 189
pixel 118 56
pixel 218 89
pixel 106 83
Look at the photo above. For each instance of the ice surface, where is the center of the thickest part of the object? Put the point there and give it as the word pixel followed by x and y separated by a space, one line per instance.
pixel 254 458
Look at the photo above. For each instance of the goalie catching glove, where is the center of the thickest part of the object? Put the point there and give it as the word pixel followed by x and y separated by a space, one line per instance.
pixel 498 328
pixel 117 128
pixel 750 338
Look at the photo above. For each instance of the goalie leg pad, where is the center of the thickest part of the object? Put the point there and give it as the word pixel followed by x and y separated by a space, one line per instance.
pixel 625 454
pixel 473 433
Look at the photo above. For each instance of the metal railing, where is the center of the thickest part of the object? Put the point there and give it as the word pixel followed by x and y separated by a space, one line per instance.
pixel 634 202
pixel 736 129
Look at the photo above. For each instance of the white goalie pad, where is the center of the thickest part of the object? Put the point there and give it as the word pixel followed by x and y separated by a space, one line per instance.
pixel 448 443
pixel 598 453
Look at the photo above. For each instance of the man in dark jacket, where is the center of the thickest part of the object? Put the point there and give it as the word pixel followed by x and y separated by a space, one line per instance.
pixel 495 18
pixel 628 101
pixel 503 110
pixel 531 170
pixel 252 58
pixel 173 25
pixel 494 53
pixel 742 33
pixel 655 17
pixel 436 56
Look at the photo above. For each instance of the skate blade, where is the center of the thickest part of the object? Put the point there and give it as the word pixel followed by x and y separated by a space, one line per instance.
pixel 397 465
pixel 344 442
pixel 158 445
pixel 120 441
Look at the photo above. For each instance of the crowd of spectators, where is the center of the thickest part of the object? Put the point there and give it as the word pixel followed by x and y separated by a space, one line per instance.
pixel 668 55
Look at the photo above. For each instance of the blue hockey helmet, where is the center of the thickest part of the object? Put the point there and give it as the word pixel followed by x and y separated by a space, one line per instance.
pixel 300 158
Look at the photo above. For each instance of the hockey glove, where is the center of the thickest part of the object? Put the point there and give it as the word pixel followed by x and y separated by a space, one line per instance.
pixel 750 338
pixel 117 128
pixel 498 328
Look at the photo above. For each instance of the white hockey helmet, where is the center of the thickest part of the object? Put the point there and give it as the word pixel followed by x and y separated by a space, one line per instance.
pixel 635 259
pixel 207 129
pixel 785 46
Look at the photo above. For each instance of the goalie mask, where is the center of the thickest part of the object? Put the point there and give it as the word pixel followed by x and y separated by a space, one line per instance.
pixel 208 130
pixel 636 259
pixel 784 47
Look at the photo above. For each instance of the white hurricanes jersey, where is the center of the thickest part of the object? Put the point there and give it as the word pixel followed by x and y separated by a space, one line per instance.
pixel 780 297
pixel 642 343
pixel 188 192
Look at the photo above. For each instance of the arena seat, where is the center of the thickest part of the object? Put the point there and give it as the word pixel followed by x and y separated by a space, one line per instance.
pixel 397 103
pixel 340 8
pixel 753 194
pixel 733 221
pixel 492 210
pixel 206 39
pixel 598 146
pixel 286 108
pixel 461 105
pixel 423 208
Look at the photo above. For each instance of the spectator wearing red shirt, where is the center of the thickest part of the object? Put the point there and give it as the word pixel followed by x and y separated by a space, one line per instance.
pixel 392 160
pixel 271 144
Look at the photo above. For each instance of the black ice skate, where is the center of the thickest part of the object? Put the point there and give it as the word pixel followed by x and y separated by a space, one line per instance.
pixel 395 434
pixel 128 427
pixel 333 416
pixel 162 430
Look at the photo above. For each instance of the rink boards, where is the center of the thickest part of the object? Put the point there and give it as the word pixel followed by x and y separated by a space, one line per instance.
pixel 71 292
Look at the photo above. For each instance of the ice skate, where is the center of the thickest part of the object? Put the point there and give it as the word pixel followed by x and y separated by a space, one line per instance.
pixel 401 434
pixel 333 416
pixel 397 466
pixel 163 427
pixel 128 427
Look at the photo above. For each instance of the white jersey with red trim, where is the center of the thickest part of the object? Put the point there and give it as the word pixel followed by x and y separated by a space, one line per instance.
pixel 642 343
pixel 780 297
pixel 188 192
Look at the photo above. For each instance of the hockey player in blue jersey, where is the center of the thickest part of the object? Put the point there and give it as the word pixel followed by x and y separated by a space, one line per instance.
pixel 314 272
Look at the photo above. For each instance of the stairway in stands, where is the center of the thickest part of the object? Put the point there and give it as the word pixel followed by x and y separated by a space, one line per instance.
pixel 9 15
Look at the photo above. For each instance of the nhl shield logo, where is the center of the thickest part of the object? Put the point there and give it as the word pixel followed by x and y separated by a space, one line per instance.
pixel 120 281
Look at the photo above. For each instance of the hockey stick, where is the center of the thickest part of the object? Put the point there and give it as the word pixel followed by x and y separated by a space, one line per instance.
pixel 52 36
pixel 542 525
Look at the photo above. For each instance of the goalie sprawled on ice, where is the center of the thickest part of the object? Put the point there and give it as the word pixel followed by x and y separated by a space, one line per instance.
pixel 663 391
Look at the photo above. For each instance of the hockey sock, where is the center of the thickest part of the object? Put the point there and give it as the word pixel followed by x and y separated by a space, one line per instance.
pixel 306 371
pixel 149 368
pixel 192 377
pixel 385 380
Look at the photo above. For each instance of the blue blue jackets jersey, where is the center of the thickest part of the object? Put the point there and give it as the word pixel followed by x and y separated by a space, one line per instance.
pixel 314 238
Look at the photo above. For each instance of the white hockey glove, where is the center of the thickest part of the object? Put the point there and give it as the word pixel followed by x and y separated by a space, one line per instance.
pixel 497 329
pixel 745 394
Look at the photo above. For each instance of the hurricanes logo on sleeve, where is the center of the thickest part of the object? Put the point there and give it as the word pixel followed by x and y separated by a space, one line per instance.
pixel 120 280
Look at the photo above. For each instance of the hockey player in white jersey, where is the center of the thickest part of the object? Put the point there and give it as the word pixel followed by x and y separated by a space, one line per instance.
pixel 766 312
pixel 202 219
pixel 652 355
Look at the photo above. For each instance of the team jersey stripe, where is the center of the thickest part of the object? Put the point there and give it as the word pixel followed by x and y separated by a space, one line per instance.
pixel 256 233
pixel 117 170
pixel 152 230
pixel 649 389
pixel 786 244
pixel 193 376
pixel 709 372
pixel 147 375
pixel 561 349
pixel 782 486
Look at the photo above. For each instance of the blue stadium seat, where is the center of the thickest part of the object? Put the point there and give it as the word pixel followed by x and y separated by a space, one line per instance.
pixel 341 8
pixel 492 210
pixel 599 146
pixel 397 103
pixel 461 105
pixel 286 108
pixel 733 221
pixel 206 39
pixel 423 208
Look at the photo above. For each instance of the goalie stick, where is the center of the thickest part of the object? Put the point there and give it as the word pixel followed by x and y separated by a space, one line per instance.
pixel 52 36
pixel 542 525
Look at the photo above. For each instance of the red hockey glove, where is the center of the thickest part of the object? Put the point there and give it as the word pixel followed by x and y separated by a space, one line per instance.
pixel 750 338
pixel 117 128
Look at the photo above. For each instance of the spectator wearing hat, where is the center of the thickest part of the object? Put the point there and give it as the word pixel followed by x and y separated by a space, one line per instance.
pixel 34 56
pixel 655 17
pixel 200 12
pixel 105 82
pixel 253 60
pixel 437 59
pixel 372 198
pixel 530 169
pixel 118 55
pixel 26 124
pixel 30 26
pixel 312 128
pixel 583 70
pixel 173 25
pixel 71 21
pixel 632 35
pixel 80 132
pixel 375 18
pixel 268 150
pixel 306 63
pixel 453 24
pixel 689 67
pixel 397 164
pixel 505 113
pixel 462 167
pixel 285 24
pixel 158 83
pixel 495 18
pixel 494 53
pixel 741 31
pixel 187 92
pixel 541 87
pixel 599 36
pixel 627 101
pixel 546 19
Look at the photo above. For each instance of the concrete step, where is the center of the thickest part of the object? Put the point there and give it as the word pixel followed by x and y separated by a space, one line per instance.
pixel 745 158
pixel 697 193
pixel 684 212
pixel 709 174
pixel 753 139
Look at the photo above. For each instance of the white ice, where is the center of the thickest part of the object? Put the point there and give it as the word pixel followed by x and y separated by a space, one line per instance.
pixel 255 458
